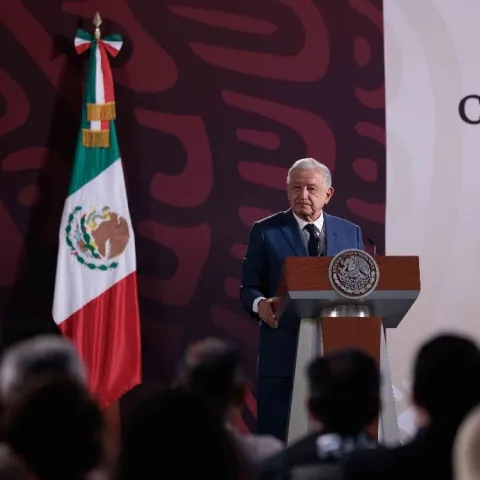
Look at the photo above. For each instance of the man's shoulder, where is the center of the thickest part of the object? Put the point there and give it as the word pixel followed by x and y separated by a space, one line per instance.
pixel 278 219
pixel 272 220
pixel 341 222
pixel 260 447
pixel 301 451
pixel 370 463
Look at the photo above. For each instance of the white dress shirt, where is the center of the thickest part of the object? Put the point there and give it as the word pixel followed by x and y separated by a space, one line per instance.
pixel 306 236
pixel 302 224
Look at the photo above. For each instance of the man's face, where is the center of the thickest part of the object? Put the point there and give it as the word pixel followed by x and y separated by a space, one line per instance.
pixel 307 194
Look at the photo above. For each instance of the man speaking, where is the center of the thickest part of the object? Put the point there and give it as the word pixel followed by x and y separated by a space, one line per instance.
pixel 303 230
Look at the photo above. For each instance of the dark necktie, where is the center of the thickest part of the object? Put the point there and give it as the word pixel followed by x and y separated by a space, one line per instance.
pixel 313 240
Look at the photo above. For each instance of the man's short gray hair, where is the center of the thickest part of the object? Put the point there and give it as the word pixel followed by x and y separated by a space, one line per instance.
pixel 42 355
pixel 309 164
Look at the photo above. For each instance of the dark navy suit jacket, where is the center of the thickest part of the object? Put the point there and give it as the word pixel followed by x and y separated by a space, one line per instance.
pixel 271 241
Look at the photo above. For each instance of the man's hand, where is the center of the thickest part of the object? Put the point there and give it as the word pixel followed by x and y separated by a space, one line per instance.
pixel 266 311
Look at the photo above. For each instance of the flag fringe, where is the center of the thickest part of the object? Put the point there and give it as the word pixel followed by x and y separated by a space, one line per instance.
pixel 100 112
pixel 95 138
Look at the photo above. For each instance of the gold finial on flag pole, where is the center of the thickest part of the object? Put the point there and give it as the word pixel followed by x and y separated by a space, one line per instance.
pixel 97 21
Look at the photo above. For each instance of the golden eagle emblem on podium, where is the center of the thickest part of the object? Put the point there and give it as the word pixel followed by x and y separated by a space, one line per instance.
pixel 353 273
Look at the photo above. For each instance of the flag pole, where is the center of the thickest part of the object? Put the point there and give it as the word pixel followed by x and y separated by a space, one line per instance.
pixel 112 412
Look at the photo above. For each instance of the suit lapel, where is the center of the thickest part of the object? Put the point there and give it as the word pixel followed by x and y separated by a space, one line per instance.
pixel 292 234
pixel 330 235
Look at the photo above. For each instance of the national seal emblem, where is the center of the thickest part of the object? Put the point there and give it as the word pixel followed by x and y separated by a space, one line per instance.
pixel 354 273
pixel 96 238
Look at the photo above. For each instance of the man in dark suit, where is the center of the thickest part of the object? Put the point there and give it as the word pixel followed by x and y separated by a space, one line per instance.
pixel 303 230
pixel 343 399
pixel 215 370
pixel 445 390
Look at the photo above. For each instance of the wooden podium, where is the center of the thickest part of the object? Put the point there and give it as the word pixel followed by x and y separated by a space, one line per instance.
pixel 330 321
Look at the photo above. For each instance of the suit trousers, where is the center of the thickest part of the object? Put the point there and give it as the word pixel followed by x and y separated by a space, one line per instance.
pixel 273 405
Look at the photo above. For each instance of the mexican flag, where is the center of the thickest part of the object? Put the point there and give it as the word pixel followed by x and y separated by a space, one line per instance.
pixel 96 302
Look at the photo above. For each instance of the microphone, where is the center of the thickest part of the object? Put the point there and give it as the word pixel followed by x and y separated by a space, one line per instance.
pixel 374 245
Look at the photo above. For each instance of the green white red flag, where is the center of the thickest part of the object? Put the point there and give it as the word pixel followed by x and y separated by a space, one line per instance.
pixel 96 301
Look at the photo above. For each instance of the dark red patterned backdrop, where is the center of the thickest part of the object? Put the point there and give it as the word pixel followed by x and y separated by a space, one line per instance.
pixel 215 99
